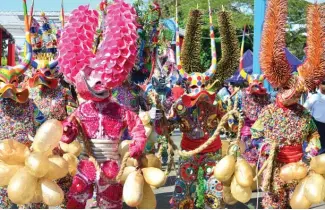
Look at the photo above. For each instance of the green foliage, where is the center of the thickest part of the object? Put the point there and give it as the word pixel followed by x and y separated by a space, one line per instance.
pixel 295 37
pixel 241 10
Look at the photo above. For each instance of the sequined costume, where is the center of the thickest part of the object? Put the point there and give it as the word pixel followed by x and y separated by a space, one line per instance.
pixel 104 123
pixel 54 103
pixel 133 98
pixel 197 116
pixel 289 127
pixel 284 125
pixel 253 99
pixel 100 120
pixel 19 117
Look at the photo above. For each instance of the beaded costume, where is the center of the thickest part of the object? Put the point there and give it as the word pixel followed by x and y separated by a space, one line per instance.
pixel 100 120
pixel 198 117
pixel 253 99
pixel 284 125
pixel 19 117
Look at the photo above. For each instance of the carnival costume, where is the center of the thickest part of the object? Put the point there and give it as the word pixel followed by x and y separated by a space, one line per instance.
pixel 198 117
pixel 253 99
pixel 101 121
pixel 285 124
pixel 19 116
pixel 47 34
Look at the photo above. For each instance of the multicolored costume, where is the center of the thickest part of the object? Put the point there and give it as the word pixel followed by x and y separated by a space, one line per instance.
pixel 48 35
pixel 285 124
pixel 54 100
pixel 19 117
pixel 253 99
pixel 100 120
pixel 198 117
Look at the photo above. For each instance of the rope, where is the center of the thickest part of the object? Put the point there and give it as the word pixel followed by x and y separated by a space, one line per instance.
pixel 123 166
pixel 268 166
pixel 216 133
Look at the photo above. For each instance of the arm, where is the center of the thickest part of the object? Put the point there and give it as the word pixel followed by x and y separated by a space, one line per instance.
pixel 137 132
pixel 313 140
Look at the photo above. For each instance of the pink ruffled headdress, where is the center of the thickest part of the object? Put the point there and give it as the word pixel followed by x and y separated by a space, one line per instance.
pixel 94 74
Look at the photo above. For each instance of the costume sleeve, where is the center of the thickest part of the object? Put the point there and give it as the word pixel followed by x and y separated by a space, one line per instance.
pixel 313 140
pixel 137 132
pixel 38 116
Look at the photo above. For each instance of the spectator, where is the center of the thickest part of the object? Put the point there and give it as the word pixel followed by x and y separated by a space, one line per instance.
pixel 316 105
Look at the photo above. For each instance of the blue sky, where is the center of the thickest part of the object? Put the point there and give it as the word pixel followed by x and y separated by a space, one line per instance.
pixel 47 5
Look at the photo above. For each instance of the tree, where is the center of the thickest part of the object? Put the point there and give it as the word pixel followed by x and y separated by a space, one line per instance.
pixel 296 28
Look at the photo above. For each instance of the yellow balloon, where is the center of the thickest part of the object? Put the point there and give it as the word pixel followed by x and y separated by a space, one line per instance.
pixel 227 183
pixel 298 199
pixel 37 164
pixel 293 171
pixel 317 164
pixel 22 187
pixel 242 194
pixel 244 173
pixel 58 168
pixel 150 160
pixel 13 152
pixel 227 196
pixel 123 147
pixel 52 194
pixel 225 168
pixel 37 198
pixel 149 199
pixel 48 136
pixel 74 147
pixel 72 163
pixel 7 172
pixel 315 188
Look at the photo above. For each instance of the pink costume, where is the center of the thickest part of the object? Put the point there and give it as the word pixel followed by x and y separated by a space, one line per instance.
pixel 101 120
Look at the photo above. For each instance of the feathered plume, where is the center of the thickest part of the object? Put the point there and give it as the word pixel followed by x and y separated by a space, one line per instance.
pixel 314 67
pixel 192 43
pixel 229 62
pixel 273 59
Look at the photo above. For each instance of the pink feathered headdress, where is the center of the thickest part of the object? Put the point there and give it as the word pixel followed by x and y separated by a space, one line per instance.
pixel 116 54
